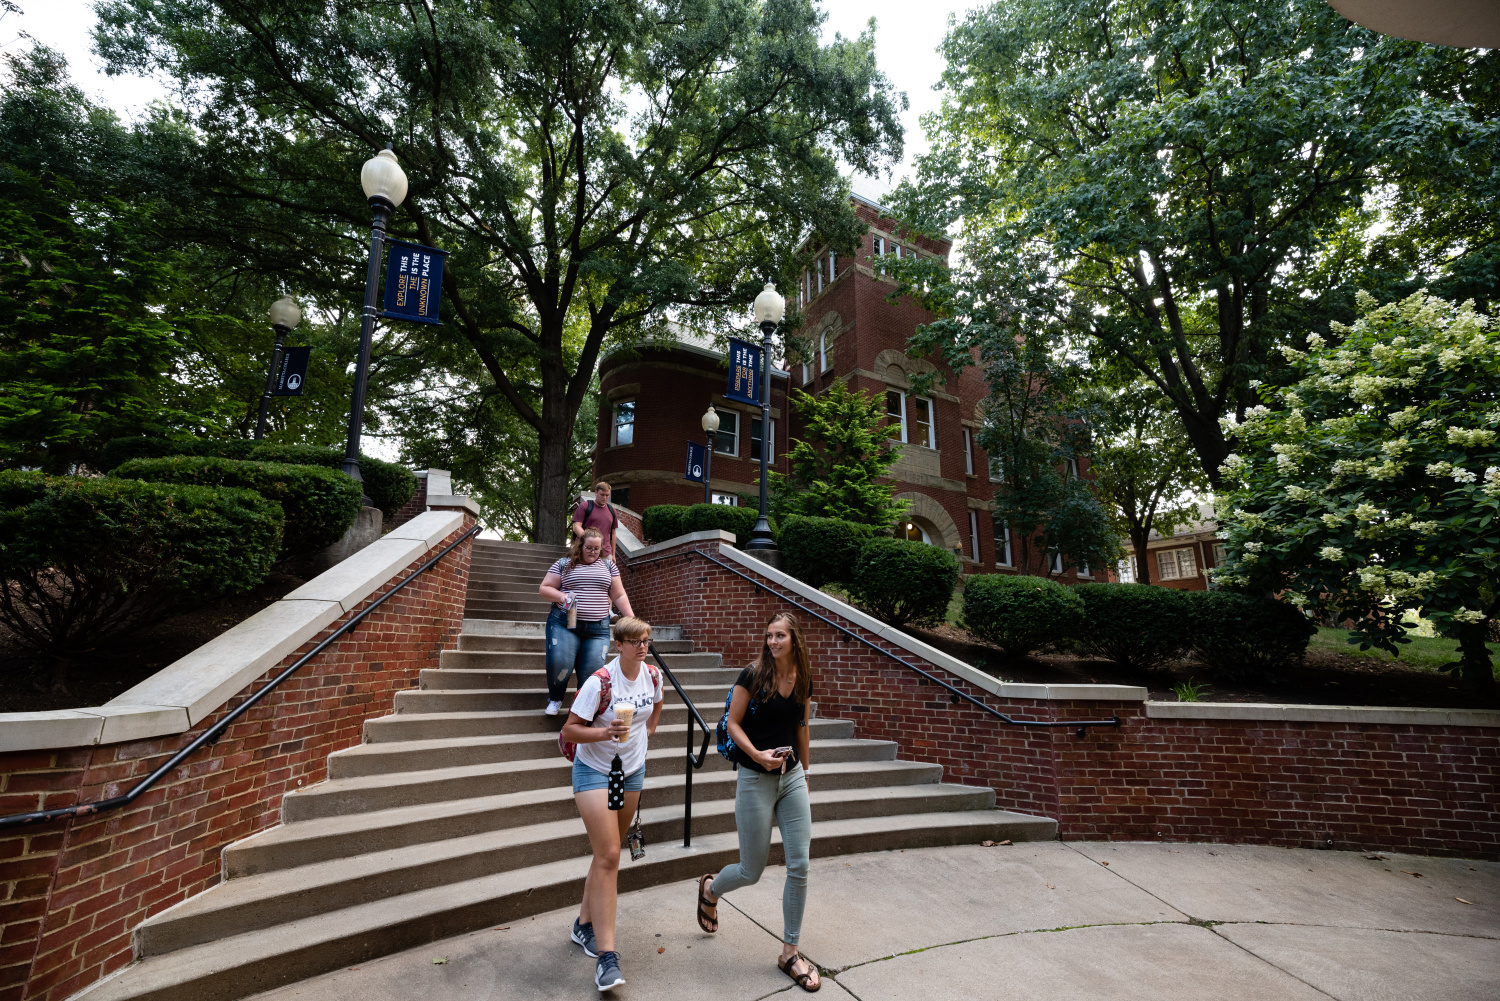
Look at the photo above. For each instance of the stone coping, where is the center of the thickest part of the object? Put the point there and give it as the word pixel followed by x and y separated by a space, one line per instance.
pixel 180 695
pixel 1276 712
pixel 710 535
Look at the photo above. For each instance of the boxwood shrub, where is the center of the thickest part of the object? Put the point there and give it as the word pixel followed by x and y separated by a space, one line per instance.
pixel 1135 625
pixel 820 551
pixel 901 581
pixel 319 503
pixel 1020 614
pixel 707 517
pixel 1245 638
pixel 86 558
pixel 661 522
pixel 122 450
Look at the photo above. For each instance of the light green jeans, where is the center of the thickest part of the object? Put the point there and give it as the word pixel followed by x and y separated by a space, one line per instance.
pixel 757 796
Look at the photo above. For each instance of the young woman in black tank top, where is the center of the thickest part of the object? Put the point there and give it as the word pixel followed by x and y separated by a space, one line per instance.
pixel 768 715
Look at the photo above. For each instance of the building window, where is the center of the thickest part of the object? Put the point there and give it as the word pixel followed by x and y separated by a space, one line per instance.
pixel 621 496
pixel 1219 554
pixel 806 286
pixel 879 246
pixel 896 248
pixel 728 500
pixel 1002 543
pixel 1084 570
pixel 895 409
pixel 1071 466
pixel 916 533
pixel 921 420
pixel 806 374
pixel 823 363
pixel 1126 570
pixel 973 536
pixel 1176 564
pixel 997 471
pixel 727 438
pixel 832 267
pixel 968 452
pixel 624 432
pixel 820 276
pixel 755 440
pixel 1057 566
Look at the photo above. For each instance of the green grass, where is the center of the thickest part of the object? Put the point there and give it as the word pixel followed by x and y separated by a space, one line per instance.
pixel 1423 651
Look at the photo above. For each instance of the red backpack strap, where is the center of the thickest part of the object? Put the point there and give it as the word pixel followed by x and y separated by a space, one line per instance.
pixel 605 687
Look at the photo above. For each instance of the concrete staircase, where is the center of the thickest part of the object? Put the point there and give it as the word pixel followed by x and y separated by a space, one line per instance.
pixel 456 813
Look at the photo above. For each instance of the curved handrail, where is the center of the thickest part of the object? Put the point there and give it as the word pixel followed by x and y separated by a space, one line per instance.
pixel 213 733
pixel 692 760
pixel 1081 725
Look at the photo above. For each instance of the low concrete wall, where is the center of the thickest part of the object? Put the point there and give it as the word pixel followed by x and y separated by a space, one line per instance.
pixel 1309 776
pixel 71 892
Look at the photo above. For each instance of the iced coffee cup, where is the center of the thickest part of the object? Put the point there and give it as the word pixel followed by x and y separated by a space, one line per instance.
pixel 625 713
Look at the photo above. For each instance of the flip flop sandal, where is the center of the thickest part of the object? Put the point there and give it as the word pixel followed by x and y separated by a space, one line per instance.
pixel 800 979
pixel 703 901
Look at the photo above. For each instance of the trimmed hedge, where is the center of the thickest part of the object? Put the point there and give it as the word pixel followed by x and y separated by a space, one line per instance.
pixel 388 485
pixel 739 520
pixel 1020 614
pixel 319 504
pixel 86 558
pixel 902 581
pixel 820 551
pixel 1135 625
pixel 1245 638
pixel 661 522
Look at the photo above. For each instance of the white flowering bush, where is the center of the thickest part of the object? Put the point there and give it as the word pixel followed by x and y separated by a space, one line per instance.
pixel 1371 484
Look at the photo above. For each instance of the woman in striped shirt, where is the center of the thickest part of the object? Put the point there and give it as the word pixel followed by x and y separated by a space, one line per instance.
pixel 590 585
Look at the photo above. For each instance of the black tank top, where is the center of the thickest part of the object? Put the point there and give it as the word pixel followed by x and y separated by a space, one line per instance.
pixel 770 722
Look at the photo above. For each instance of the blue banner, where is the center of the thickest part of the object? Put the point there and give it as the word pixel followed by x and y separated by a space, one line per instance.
pixel 697 460
pixel 744 372
pixel 292 375
pixel 413 282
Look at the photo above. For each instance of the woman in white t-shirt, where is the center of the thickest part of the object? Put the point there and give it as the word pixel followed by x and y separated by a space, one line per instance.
pixel 596 733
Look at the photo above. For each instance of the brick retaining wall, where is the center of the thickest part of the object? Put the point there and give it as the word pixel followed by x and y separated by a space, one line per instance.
pixel 1419 788
pixel 72 892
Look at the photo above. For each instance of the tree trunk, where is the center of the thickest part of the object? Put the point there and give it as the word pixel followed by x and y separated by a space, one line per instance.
pixel 554 506
pixel 1208 441
pixel 1138 539
pixel 1475 670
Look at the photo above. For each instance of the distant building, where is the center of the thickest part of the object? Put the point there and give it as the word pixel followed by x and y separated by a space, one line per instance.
pixel 1179 560
pixel 656 395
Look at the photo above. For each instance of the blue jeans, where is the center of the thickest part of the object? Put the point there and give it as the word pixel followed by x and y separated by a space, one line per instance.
pixel 580 649
pixel 760 799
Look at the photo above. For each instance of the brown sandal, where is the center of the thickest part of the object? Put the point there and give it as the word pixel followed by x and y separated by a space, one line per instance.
pixel 801 979
pixel 703 916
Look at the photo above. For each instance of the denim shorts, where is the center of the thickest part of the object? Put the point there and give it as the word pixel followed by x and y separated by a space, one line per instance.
pixel 586 779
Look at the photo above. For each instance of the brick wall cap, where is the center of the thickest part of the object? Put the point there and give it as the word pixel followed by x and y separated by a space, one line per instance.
pixel 933 656
pixel 447 502
pixel 1270 712
pixel 429 528
pixel 712 535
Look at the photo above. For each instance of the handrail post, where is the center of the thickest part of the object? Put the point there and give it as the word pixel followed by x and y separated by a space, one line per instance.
pixel 687 792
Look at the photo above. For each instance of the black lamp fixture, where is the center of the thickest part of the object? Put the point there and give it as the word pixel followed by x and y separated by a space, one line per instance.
pixel 769 308
pixel 285 315
pixel 710 424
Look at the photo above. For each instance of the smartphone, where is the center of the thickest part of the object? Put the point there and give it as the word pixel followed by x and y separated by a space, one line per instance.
pixel 782 752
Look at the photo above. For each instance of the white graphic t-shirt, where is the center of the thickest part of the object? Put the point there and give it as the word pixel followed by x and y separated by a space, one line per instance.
pixel 642 693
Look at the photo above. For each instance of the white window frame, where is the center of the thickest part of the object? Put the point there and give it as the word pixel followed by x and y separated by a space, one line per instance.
pixel 833 267
pixel 1127 570
pixel 974 535
pixel 878 247
pixel 732 437
pixel 1177 569
pixel 902 394
pixel 820 275
pixel 997 470
pixel 728 500
pixel 931 441
pixel 1057 563
pixel 771 456
pixel 897 249
pixel 806 373
pixel 1072 468
pixel 1002 546
pixel 824 365
pixel 1084 571
pixel 968 452
pixel 614 433
pixel 1219 554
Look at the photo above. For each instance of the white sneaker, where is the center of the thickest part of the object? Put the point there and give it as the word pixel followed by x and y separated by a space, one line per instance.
pixel 553 707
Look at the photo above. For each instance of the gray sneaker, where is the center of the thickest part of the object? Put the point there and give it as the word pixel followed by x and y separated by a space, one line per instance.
pixel 584 936
pixel 607 974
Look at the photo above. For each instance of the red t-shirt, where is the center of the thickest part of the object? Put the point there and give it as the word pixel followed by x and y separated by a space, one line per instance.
pixel 603 518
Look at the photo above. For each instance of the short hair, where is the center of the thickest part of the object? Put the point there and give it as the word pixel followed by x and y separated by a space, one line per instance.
pixel 606 486
pixel 628 627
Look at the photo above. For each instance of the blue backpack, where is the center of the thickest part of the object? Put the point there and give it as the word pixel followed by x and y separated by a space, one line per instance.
pixel 726 742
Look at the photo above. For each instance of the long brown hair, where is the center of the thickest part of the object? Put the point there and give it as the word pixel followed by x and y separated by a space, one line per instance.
pixel 575 550
pixel 765 664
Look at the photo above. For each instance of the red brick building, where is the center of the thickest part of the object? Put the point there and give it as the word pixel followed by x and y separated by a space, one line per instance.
pixel 853 335
pixel 1178 561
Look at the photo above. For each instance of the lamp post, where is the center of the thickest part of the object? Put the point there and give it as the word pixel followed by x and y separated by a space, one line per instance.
pixel 385 187
pixel 769 307
pixel 285 315
pixel 710 424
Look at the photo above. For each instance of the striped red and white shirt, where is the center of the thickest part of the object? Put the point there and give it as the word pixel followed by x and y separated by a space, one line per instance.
pixel 589 584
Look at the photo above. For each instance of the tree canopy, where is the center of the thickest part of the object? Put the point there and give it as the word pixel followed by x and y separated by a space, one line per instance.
pixel 1182 184
pixel 597 162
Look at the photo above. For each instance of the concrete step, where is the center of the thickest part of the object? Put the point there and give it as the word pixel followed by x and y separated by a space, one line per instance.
pixel 527 605
pixel 236 967
pixel 513 564
pixel 325 839
pixel 362 794
pixel 476 641
pixel 521 660
pixel 388 758
pixel 460 671
pixel 478 700
pixel 443 726
pixel 472 612
pixel 507 545
pixel 499 627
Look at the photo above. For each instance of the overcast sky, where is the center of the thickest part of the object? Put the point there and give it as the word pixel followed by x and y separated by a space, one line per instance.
pixel 906 40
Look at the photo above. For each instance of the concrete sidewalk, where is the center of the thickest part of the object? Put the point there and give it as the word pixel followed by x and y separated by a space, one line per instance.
pixel 1044 921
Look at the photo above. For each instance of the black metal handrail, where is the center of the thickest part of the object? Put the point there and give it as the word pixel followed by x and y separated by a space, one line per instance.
pixel 212 734
pixel 693 761
pixel 1081 725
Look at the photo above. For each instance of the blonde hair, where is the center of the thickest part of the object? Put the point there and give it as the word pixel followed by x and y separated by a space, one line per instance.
pixel 575 548
pixel 765 664
pixel 606 486
pixel 628 627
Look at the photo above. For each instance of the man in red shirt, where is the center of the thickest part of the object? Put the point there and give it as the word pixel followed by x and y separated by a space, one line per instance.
pixel 598 513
